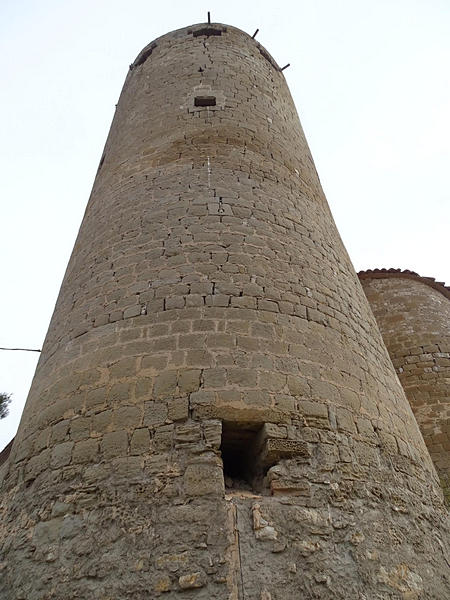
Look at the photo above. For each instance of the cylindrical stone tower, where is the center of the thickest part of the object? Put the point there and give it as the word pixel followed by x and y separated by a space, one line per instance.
pixel 214 414
pixel 413 314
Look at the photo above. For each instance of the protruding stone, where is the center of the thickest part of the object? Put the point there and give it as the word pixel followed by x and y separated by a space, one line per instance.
pixel 192 580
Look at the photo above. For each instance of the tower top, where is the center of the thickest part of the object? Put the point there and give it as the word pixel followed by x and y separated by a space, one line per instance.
pixel 203 31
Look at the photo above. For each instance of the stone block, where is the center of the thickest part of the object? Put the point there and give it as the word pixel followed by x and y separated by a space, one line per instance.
pixel 365 427
pixel 71 526
pixel 102 422
pixel 350 399
pixel 164 344
pixel 60 431
pixel 274 449
pixel 46 532
pixel 322 390
pixel 201 287
pixel 180 326
pixel 120 393
pixel 127 469
pixel 271 430
pixel 101 320
pixel 42 440
pixel 314 413
pixel 178 409
pixel 287 487
pixel 116 315
pixel 155 413
pixel 114 443
pixel 248 343
pixel 298 386
pixel 212 431
pixel 165 384
pixel 97 472
pixel 258 398
pixel 96 396
pixel 285 403
pixel 317 316
pixel 203 479
pixel 214 378
pixel 154 363
pixel 61 455
pixel 345 420
pixel 188 433
pixel 191 340
pixel 174 302
pixel 195 300
pixel 269 305
pixel 128 417
pixel 220 340
pixel 80 428
pixel 201 397
pixel 162 584
pixel 242 377
pixel 199 358
pixel 132 311
pixel 244 302
pixel 123 368
pixel 140 441
pixel 272 381
pixel 191 581
pixel 217 300
pixel 188 381
pixel 37 464
pixel 85 451
pixel 388 442
pixel 286 307
pixel 144 388
pixel 163 438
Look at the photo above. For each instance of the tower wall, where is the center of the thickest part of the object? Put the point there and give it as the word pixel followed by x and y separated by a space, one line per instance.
pixel 413 315
pixel 214 414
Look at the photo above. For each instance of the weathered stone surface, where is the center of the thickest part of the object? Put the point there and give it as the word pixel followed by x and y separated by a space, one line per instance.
pixel 140 441
pixel 201 479
pixel 192 580
pixel 210 330
pixel 61 454
pixel 413 315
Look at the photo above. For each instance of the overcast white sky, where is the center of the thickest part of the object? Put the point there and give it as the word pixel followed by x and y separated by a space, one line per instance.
pixel 371 82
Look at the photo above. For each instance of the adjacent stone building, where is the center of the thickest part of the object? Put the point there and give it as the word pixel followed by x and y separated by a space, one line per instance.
pixel 413 314
pixel 214 414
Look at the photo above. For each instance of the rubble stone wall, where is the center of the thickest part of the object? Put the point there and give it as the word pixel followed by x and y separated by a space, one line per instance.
pixel 210 310
pixel 414 320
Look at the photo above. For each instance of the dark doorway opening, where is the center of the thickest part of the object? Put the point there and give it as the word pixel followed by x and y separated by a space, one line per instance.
pixel 240 456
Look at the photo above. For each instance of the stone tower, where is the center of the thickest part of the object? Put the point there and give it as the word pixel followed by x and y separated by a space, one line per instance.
pixel 413 314
pixel 214 414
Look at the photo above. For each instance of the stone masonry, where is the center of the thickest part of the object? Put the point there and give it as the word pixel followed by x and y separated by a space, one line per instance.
pixel 214 414
pixel 413 314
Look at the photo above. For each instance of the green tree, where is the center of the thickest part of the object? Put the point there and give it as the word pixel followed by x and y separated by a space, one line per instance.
pixel 5 399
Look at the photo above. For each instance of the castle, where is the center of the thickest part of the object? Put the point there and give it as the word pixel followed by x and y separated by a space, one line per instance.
pixel 215 414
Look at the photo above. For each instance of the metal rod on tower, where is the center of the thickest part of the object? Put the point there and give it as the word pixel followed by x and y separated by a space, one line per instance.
pixel 254 35
pixel 285 67
pixel 23 349
pixel 209 17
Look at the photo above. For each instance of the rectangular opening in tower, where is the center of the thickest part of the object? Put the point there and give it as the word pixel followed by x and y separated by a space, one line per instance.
pixel 205 101
pixel 239 450
pixel 143 57
pixel 208 31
